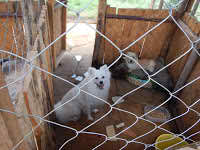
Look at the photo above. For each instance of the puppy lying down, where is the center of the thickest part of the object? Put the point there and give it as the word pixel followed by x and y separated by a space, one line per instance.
pixel 151 66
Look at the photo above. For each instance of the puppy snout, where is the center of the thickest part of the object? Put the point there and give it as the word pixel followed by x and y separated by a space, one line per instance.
pixel 101 82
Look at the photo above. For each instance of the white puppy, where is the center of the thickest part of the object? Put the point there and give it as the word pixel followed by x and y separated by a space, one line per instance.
pixel 84 103
pixel 147 64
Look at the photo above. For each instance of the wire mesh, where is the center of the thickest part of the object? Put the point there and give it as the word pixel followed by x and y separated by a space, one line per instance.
pixel 19 56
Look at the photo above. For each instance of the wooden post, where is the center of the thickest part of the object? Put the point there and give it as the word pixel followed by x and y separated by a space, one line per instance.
pixel 192 59
pixel 99 47
pixel 10 120
pixel 38 132
pixel 48 59
pixel 190 5
pixel 161 4
pixel 182 7
pixel 64 27
pixel 27 26
pixel 152 4
pixel 194 9
pixel 186 5
pixel 50 5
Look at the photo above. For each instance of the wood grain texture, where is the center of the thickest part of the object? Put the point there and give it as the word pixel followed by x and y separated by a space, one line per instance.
pixel 111 31
pixel 192 23
pixel 50 15
pixel 183 70
pixel 99 40
pixel 123 32
pixel 10 120
pixel 7 41
pixel 5 141
pixel 190 95
pixel 63 27
pixel 59 20
pixel 176 49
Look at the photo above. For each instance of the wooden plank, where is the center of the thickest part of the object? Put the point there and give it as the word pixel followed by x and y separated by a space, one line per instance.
pixel 192 35
pixel 186 71
pixel 132 30
pixel 111 31
pixel 151 45
pixel 57 25
pixel 181 70
pixel 190 62
pixel 48 57
pixel 183 8
pixel 5 141
pixel 50 5
pixel 10 120
pixel 190 95
pixel 192 23
pixel 7 40
pixel 7 5
pixel 98 53
pixel 190 5
pixel 38 131
pixel 64 27
pixel 141 18
pixel 159 36
pixel 161 4
pixel 45 58
pixel 176 49
pixel 194 8
pixel 8 23
pixel 152 4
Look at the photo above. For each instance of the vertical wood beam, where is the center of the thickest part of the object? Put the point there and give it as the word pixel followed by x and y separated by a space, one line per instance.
pixel 161 4
pixel 50 5
pixel 98 47
pixel 10 120
pixel 64 27
pixel 191 61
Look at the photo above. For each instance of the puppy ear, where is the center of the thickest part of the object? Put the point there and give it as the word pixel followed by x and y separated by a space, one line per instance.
pixel 91 70
pixel 104 67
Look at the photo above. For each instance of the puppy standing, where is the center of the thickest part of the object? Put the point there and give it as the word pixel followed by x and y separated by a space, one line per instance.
pixel 84 103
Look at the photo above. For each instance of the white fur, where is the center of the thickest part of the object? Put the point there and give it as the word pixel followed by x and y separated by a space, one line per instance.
pixel 85 103
pixel 147 64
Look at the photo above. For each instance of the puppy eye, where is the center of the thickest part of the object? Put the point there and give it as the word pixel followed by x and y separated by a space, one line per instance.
pixel 96 78
pixel 102 77
pixel 131 61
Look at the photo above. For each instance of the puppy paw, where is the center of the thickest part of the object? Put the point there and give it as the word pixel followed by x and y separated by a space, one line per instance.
pixel 95 110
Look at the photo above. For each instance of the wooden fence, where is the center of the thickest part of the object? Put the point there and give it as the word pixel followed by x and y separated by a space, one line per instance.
pixel 11 32
pixel 123 26
pixel 186 69
pixel 36 96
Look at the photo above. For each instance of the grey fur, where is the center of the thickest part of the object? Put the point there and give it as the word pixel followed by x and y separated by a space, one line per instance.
pixel 162 77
